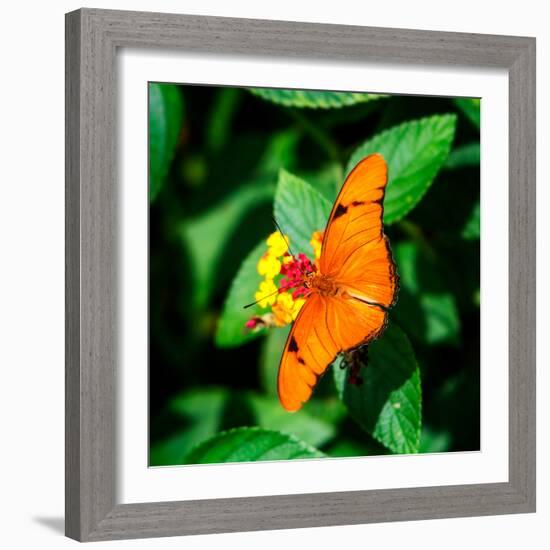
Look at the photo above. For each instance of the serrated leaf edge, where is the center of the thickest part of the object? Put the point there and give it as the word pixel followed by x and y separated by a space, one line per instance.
pixel 384 133
pixel 418 429
pixel 292 438
pixel 353 98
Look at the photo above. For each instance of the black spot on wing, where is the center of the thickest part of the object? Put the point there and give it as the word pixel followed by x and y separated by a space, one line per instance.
pixel 292 345
pixel 340 211
pixel 301 361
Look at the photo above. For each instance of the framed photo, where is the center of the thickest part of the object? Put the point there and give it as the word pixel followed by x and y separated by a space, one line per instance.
pixel 300 275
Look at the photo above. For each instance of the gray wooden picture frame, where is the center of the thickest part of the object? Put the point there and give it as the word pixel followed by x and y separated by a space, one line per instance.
pixel 92 39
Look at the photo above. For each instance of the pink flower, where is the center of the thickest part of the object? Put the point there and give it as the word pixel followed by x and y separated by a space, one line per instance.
pixel 294 272
pixel 254 322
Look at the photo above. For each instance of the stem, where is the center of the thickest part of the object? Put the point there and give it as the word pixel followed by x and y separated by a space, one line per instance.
pixel 318 135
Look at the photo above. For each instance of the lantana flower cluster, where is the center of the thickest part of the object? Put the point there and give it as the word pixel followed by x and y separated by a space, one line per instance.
pixel 281 292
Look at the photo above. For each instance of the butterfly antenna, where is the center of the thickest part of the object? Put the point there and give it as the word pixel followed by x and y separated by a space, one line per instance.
pixel 287 244
pixel 284 237
pixel 262 298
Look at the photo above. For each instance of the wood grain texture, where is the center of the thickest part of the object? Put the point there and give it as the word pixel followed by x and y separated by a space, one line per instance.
pixel 92 37
pixel 522 274
pixel 91 286
pixel 72 278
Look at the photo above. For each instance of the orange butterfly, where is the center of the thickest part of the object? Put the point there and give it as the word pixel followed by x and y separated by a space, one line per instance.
pixel 349 295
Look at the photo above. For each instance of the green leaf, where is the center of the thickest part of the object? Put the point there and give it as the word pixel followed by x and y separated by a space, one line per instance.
pixel 269 414
pixel 199 414
pixel 388 405
pixel 327 180
pixel 426 308
pixel 470 107
pixel 270 357
pixel 251 445
pixel 472 229
pixel 463 156
pixel 206 236
pixel 300 210
pixel 231 330
pixel 313 99
pixel 414 152
pixel 165 119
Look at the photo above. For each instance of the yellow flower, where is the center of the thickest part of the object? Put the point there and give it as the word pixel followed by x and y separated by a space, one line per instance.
pixel 277 244
pixel 266 294
pixel 268 266
pixel 316 243
pixel 286 309
pixel 297 307
pixel 283 309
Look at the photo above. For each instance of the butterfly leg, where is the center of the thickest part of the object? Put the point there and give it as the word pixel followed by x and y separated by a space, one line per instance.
pixel 354 360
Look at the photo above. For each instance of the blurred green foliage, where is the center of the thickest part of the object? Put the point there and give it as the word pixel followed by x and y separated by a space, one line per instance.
pixel 222 163
pixel 165 120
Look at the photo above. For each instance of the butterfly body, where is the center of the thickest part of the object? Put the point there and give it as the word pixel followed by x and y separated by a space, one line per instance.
pixel 325 285
pixel 349 293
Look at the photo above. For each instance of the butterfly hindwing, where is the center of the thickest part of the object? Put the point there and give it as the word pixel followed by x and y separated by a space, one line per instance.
pixel 353 323
pixel 324 328
pixel 309 350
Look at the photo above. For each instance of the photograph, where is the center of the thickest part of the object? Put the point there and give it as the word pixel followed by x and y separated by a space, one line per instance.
pixel 314 274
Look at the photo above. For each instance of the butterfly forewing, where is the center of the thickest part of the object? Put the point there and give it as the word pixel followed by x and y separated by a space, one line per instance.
pixel 356 217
